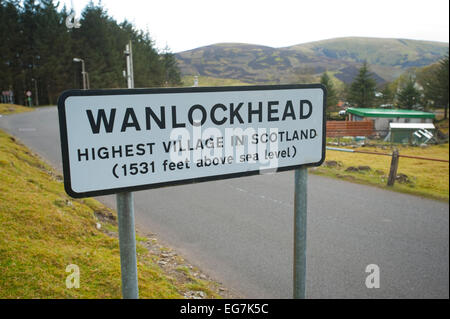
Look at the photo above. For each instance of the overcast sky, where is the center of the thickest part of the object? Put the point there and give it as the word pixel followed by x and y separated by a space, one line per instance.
pixel 187 24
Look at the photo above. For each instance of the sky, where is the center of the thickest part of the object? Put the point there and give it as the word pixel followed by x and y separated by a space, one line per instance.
pixel 187 24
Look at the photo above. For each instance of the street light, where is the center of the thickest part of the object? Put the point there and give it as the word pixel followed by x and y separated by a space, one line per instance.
pixel 83 72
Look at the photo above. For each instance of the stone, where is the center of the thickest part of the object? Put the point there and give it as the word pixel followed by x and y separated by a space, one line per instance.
pixel 331 163
pixel 402 179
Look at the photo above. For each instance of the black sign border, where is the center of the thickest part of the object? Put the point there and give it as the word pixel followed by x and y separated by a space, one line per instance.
pixel 65 148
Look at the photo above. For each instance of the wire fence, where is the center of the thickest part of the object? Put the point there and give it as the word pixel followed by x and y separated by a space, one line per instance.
pixel 385 154
pixel 395 155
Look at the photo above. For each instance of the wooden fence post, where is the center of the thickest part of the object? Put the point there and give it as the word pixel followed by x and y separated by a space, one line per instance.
pixel 394 167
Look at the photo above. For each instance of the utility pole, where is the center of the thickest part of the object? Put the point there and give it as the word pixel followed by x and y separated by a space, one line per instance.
pixel 125 212
pixel 130 74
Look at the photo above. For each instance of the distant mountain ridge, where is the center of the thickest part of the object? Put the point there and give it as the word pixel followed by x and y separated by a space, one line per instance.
pixel 342 57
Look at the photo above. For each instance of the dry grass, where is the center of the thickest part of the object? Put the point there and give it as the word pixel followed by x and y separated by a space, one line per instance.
pixel 425 178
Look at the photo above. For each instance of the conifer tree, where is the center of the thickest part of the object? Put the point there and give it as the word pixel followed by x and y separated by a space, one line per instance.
pixel 362 89
pixel 332 98
pixel 436 86
pixel 39 51
pixel 409 95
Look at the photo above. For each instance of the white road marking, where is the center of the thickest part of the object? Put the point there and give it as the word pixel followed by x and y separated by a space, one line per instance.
pixel 276 201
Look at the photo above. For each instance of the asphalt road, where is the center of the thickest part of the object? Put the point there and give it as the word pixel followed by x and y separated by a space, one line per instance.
pixel 240 230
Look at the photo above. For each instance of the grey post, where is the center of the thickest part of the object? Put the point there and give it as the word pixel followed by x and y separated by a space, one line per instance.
pixel 130 73
pixel 127 243
pixel 300 209
pixel 127 233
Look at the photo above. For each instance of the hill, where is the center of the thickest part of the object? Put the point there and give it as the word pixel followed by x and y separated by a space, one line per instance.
pixel 388 58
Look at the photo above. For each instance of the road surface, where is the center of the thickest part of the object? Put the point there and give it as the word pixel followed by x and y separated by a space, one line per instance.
pixel 240 230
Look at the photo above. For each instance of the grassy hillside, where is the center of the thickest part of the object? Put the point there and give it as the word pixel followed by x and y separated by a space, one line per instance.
pixel 248 63
pixel 385 52
pixel 388 58
pixel 42 231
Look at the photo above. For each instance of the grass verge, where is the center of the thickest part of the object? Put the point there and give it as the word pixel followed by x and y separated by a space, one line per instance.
pixel 6 109
pixel 419 177
pixel 42 231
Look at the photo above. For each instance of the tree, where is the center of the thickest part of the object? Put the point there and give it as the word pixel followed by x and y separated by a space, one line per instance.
pixel 362 89
pixel 38 51
pixel 96 41
pixel 425 76
pixel 332 99
pixel 435 85
pixel 49 65
pixel 147 61
pixel 172 75
pixel 442 75
pixel 12 38
pixel 388 95
pixel 409 95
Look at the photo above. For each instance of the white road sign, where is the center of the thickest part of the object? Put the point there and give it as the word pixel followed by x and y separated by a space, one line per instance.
pixel 124 140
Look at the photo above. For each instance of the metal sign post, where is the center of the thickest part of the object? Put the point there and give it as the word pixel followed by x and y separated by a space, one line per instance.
pixel 125 213
pixel 300 209
pixel 127 243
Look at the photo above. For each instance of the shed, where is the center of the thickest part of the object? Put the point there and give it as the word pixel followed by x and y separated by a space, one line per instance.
pixel 411 133
pixel 383 117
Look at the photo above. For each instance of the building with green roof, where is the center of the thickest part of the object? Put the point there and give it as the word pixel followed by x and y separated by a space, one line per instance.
pixel 383 117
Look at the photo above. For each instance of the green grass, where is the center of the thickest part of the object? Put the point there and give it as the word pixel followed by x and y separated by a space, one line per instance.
pixel 6 109
pixel 425 178
pixel 42 231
